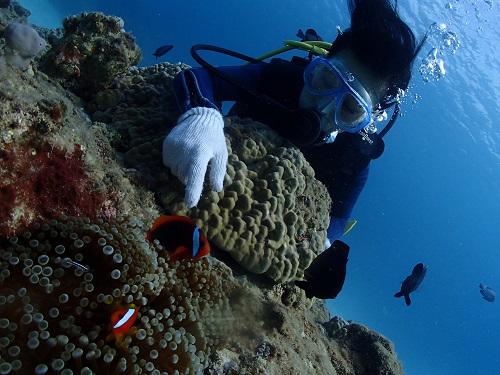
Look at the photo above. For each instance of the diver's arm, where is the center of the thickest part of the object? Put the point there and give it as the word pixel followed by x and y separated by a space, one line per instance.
pixel 197 87
pixel 197 140
pixel 345 196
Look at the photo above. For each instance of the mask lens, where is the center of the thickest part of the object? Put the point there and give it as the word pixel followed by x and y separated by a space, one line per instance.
pixel 323 79
pixel 351 112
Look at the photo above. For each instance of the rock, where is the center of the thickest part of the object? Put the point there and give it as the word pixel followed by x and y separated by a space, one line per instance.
pixel 92 51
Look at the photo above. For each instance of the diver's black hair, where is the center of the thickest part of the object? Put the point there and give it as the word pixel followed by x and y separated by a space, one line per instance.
pixel 381 40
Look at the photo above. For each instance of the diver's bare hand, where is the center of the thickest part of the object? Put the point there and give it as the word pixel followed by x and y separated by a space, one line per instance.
pixel 197 140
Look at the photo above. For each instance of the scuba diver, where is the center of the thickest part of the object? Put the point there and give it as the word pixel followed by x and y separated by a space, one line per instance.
pixel 327 105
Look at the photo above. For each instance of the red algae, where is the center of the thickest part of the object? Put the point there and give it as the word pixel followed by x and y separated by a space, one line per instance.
pixel 42 181
pixel 7 202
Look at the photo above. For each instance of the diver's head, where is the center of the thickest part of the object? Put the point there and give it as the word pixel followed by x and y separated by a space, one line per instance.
pixel 381 45
pixel 342 96
pixel 372 60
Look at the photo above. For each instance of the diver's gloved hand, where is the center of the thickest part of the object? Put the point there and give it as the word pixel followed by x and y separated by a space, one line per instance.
pixel 197 140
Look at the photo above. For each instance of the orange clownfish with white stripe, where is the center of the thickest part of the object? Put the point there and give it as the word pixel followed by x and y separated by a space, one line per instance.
pixel 180 237
pixel 122 322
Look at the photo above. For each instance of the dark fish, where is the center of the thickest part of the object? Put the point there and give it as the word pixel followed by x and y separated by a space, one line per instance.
pixel 309 35
pixel 160 51
pixel 412 282
pixel 487 293
pixel 325 276
pixel 180 237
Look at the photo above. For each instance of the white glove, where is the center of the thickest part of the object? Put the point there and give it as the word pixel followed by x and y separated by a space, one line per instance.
pixel 197 139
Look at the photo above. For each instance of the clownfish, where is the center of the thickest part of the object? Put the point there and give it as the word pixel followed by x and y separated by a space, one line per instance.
pixel 180 237
pixel 122 321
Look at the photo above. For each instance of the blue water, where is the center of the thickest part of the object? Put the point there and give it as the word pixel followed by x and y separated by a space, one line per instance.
pixel 432 197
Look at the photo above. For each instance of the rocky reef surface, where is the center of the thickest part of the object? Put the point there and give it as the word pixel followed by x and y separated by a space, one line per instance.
pixel 81 181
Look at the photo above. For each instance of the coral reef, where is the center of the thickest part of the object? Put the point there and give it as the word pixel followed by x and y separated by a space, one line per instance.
pixel 12 11
pixel 63 277
pixel 44 180
pixel 94 49
pixel 290 336
pixel 272 215
pixel 61 280
pixel 46 168
pixel 369 352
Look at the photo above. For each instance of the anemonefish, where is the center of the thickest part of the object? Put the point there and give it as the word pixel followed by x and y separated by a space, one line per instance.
pixel 180 237
pixel 122 321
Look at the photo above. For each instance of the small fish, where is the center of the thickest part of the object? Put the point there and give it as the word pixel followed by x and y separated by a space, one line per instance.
pixel 71 262
pixel 160 51
pixel 487 293
pixel 180 237
pixel 122 321
pixel 309 35
pixel 324 278
pixel 412 282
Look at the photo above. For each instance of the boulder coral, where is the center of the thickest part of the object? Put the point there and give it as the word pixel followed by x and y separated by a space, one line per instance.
pixel 272 214
pixel 61 280
pixel 94 49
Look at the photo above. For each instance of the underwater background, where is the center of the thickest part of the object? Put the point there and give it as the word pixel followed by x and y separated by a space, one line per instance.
pixel 434 195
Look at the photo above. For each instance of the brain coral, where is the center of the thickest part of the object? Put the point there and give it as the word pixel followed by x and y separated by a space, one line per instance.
pixel 272 215
pixel 60 282
pixel 92 51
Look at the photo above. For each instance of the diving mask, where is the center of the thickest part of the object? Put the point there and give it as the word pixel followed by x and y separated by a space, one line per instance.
pixel 344 102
